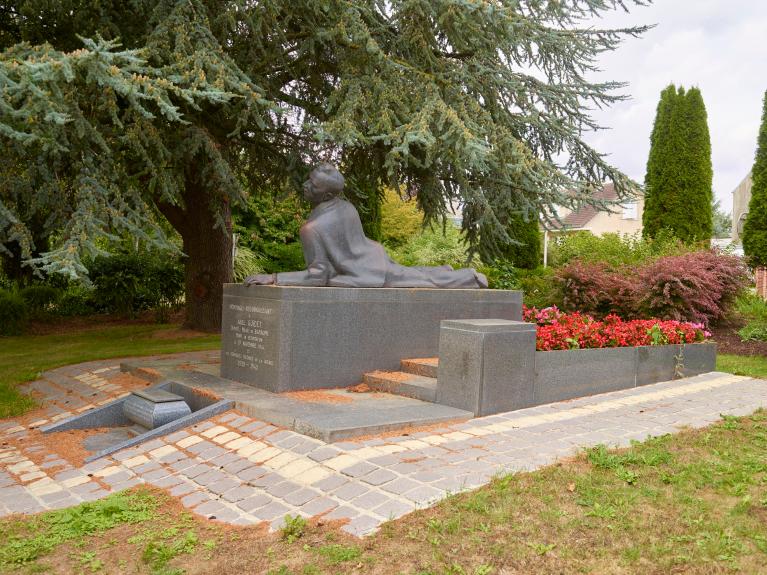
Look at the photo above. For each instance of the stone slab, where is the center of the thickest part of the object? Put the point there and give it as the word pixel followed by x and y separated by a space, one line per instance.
pixel 486 366
pixel 657 363
pixel 157 395
pixel 289 338
pixel 567 374
pixel 698 358
pixel 329 415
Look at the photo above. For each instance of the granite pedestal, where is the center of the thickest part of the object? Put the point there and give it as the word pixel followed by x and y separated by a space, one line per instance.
pixel 293 338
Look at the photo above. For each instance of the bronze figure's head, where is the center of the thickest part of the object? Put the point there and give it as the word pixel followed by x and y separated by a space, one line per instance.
pixel 325 183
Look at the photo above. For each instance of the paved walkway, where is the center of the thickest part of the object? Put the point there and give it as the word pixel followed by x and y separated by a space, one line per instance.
pixel 243 471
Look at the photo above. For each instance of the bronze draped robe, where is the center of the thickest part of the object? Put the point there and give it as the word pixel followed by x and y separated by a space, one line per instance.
pixel 338 254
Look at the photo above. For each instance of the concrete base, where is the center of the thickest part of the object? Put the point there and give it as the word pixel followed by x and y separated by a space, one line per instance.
pixel 292 338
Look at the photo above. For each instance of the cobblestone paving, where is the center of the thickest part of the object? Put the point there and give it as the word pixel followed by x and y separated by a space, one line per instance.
pixel 243 471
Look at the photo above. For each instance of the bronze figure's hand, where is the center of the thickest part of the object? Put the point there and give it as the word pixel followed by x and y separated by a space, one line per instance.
pixel 260 280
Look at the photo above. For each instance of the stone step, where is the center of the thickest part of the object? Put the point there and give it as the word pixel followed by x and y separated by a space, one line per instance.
pixel 425 366
pixel 404 384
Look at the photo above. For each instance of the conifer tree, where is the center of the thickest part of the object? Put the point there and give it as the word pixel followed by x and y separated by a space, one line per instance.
pixel 755 226
pixel 678 181
pixel 114 111
pixel 525 251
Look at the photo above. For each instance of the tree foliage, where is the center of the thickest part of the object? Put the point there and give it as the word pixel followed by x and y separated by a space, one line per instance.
pixel 111 111
pixel 678 192
pixel 525 251
pixel 755 226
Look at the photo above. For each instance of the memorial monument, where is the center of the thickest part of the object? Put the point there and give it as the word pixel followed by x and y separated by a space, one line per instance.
pixel 352 310
pixel 338 254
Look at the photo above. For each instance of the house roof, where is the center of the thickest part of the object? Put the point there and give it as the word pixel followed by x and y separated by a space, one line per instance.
pixel 578 219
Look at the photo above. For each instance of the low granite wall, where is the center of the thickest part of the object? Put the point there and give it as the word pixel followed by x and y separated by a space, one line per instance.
pixel 491 366
pixel 561 375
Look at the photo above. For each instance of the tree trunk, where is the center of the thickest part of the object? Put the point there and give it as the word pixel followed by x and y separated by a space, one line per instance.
pixel 208 265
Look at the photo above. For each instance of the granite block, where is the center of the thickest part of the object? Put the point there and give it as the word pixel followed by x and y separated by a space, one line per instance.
pixel 486 366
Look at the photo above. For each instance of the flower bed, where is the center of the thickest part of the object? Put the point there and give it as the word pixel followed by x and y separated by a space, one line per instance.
pixel 561 331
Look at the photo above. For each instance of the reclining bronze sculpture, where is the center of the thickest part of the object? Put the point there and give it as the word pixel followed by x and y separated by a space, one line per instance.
pixel 338 254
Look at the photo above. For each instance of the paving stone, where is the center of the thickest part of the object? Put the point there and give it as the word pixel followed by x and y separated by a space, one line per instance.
pixel 211 477
pixel 350 491
pixel 267 480
pixel 251 473
pixel 222 486
pixel 195 498
pixel 146 468
pixel 177 436
pixel 252 426
pixel 370 500
pixel 212 509
pixel 237 465
pixel 330 483
pixel 214 431
pixel 224 459
pixel 201 446
pixel 300 496
pixel 156 475
pixel 424 495
pixel 342 512
pixel 379 477
pixel 323 454
pixel 359 469
pixel 197 470
pixel 212 453
pixel 318 506
pixel 238 492
pixel 226 437
pixel 393 509
pixel 254 502
pixel 189 441
pixel 400 485
pixel 272 511
pixel 282 489
pixel 361 525
pixel 182 488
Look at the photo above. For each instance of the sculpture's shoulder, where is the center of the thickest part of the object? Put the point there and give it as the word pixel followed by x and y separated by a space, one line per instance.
pixel 330 212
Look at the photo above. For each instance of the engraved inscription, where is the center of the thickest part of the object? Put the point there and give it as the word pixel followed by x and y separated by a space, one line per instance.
pixel 250 337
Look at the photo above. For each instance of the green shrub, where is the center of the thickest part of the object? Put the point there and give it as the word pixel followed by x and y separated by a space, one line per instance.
pixel 539 288
pixel 614 250
pixel 432 247
pixel 247 263
pixel 538 285
pixel 13 313
pixel 132 282
pixel 401 220
pixel 40 299
pixel 753 309
pixel 283 257
pixel 77 300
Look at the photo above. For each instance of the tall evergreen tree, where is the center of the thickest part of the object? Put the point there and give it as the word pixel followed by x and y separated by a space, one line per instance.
pixel 755 226
pixel 201 95
pixel 678 181
pixel 525 251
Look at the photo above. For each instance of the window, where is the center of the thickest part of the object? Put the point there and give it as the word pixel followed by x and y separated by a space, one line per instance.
pixel 630 211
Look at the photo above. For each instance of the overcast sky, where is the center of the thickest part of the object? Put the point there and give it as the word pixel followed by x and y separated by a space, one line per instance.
pixel 719 46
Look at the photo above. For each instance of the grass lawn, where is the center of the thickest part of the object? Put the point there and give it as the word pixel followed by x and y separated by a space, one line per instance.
pixel 695 502
pixel 752 365
pixel 24 358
